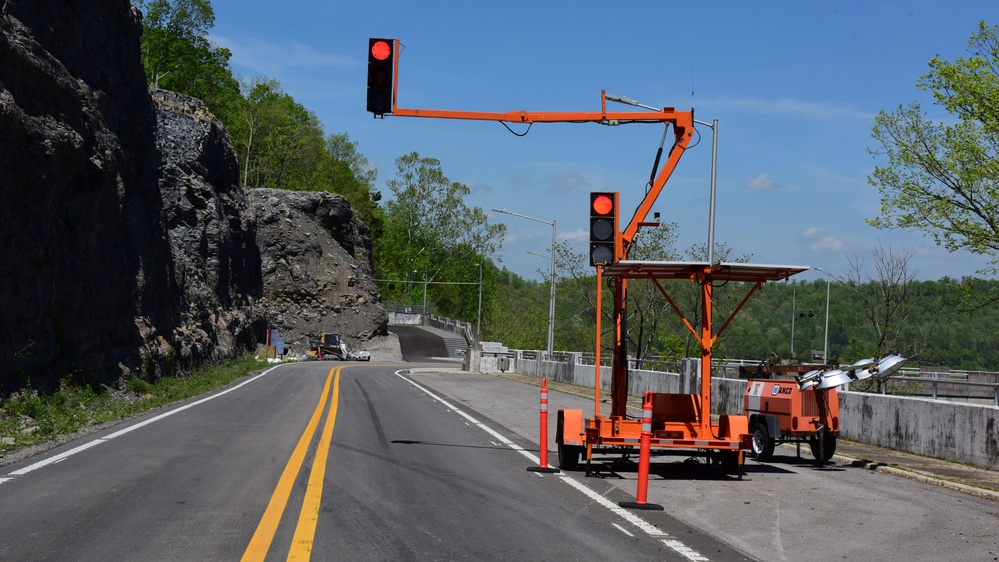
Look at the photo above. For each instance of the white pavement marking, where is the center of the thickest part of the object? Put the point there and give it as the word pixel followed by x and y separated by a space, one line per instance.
pixel 622 529
pixel 621 512
pixel 79 449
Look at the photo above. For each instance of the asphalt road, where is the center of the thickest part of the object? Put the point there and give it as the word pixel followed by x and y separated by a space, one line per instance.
pixel 340 461
pixel 413 461
pixel 789 509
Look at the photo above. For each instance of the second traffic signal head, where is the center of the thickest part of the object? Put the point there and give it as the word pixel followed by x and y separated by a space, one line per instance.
pixel 605 240
pixel 381 70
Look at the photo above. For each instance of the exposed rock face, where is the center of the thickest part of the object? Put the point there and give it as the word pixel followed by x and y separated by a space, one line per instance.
pixel 79 222
pixel 313 248
pixel 127 246
pixel 214 257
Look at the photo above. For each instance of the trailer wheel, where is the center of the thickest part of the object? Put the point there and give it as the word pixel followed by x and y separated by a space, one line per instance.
pixel 568 456
pixel 763 446
pixel 823 445
pixel 730 463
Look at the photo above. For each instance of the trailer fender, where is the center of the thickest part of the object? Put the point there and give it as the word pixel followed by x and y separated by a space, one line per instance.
pixel 569 430
pixel 733 427
pixel 771 422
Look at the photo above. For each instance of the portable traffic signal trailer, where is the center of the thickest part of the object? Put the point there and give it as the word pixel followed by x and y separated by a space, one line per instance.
pixel 680 421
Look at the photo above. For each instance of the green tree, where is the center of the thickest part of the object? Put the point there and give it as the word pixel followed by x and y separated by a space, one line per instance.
pixel 344 170
pixel 943 179
pixel 649 313
pixel 885 297
pixel 429 229
pixel 178 56
pixel 280 142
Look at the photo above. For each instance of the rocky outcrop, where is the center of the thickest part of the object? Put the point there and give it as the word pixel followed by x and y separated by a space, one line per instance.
pixel 128 247
pixel 79 222
pixel 316 264
pixel 214 259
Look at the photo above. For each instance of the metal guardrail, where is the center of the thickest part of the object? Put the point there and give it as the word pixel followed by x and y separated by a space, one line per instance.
pixel 456 327
pixel 933 387
pixel 935 383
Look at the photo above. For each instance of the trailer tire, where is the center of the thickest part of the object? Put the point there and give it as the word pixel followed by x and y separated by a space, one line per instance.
pixel 763 445
pixel 568 456
pixel 730 463
pixel 823 446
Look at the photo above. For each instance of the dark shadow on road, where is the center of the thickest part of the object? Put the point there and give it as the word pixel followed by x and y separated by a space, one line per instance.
pixel 418 344
pixel 432 444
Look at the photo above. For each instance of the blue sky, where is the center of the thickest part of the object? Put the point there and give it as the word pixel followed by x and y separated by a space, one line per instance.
pixel 795 87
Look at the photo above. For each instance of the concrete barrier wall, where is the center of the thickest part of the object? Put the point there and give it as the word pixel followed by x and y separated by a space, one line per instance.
pixel 961 432
pixel 954 431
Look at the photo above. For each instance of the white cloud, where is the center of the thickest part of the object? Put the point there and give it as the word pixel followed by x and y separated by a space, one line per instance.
pixel 574 235
pixel 482 188
pixel 827 244
pixel 762 182
pixel 567 183
pixel 813 232
pixel 268 59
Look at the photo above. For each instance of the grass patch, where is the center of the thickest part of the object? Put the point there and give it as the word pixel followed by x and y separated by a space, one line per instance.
pixel 31 418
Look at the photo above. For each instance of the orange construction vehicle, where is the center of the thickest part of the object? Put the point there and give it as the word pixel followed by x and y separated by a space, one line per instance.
pixel 780 412
pixel 680 421
pixel 805 408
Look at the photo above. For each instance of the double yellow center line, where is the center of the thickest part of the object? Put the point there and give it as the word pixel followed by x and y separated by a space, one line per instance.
pixel 305 530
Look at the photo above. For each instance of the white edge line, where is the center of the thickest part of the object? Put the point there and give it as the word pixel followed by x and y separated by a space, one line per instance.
pixel 622 529
pixel 621 512
pixel 79 449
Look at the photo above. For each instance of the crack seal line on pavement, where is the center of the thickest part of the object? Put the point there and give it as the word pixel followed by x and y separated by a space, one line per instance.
pixel 651 530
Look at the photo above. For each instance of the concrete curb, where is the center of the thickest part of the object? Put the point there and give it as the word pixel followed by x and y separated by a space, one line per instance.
pixel 918 476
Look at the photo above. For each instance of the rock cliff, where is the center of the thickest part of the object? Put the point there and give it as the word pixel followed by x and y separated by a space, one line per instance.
pixel 127 247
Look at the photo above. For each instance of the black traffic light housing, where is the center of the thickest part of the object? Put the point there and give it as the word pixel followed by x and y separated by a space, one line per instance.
pixel 381 72
pixel 605 240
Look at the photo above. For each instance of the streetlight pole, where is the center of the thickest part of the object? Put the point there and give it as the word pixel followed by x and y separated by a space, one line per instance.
pixel 794 297
pixel 551 298
pixel 711 207
pixel 825 345
pixel 478 320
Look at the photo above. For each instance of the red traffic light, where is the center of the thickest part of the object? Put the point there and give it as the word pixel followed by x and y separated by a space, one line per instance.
pixel 381 68
pixel 604 238
pixel 381 50
pixel 602 204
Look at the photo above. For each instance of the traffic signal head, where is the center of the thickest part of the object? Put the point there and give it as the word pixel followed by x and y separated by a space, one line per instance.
pixel 381 69
pixel 605 240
